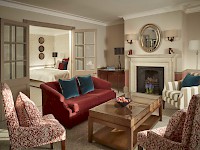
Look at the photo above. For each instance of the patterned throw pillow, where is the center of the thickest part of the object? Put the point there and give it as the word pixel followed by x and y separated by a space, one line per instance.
pixel 28 114
pixel 175 126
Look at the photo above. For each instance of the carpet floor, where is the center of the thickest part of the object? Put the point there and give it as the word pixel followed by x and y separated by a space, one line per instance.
pixel 77 136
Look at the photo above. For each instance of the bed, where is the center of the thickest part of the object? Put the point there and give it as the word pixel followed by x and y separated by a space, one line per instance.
pixel 48 74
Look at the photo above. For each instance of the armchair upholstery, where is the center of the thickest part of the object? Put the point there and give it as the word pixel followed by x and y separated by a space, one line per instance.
pixel 48 131
pixel 186 134
pixel 177 96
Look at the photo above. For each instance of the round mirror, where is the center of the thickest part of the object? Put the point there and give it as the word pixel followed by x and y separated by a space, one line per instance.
pixel 150 37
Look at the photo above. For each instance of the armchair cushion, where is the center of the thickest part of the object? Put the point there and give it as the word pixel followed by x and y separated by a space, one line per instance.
pixel 28 113
pixel 69 88
pixel 175 126
pixel 191 80
pixel 86 84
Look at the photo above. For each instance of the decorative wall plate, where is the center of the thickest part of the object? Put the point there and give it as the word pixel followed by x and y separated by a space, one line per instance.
pixel 41 48
pixel 41 56
pixel 41 40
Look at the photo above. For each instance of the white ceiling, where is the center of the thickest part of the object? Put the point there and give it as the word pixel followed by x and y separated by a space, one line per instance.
pixel 109 11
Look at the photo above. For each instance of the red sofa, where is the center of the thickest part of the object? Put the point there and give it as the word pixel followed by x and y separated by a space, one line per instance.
pixel 73 111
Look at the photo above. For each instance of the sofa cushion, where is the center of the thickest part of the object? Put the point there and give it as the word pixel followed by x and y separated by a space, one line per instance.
pixel 69 88
pixel 103 95
pixel 83 102
pixel 191 80
pixel 86 84
pixel 90 100
pixel 28 114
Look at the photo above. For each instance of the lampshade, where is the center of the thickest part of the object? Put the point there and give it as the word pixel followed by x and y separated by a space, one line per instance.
pixel 171 33
pixel 194 45
pixel 119 51
pixel 131 37
pixel 54 54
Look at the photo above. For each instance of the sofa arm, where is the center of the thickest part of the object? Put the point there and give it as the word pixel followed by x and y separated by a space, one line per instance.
pixel 53 102
pixel 101 84
pixel 174 85
pixel 186 95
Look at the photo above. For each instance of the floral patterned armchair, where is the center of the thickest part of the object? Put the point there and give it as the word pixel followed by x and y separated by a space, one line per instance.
pixel 181 133
pixel 47 131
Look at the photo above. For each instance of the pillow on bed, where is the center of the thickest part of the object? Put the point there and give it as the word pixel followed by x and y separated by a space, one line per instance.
pixel 63 65
pixel 69 88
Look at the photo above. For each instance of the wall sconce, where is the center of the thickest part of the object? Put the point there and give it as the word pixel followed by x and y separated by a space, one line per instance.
pixel 171 34
pixel 194 45
pixel 131 37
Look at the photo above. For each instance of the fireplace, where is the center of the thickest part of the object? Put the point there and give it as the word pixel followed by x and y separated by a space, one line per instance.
pixel 154 61
pixel 150 79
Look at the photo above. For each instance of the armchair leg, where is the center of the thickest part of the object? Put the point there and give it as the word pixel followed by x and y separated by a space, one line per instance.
pixel 51 145
pixel 163 104
pixel 139 147
pixel 63 145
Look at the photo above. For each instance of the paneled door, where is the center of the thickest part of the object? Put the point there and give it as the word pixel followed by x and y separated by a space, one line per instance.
pixel 84 52
pixel 14 58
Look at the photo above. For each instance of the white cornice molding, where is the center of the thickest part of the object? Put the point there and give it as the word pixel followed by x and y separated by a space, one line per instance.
pixel 192 10
pixel 153 12
pixel 42 10
pixel 189 7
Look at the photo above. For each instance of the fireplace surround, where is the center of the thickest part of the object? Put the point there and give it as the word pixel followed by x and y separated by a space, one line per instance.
pixel 165 61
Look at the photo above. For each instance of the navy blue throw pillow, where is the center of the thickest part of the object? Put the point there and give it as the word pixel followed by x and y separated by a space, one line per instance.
pixel 191 80
pixel 69 88
pixel 86 84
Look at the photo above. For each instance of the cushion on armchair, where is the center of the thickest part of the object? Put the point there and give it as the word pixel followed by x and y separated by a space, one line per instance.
pixel 191 80
pixel 28 114
pixel 175 126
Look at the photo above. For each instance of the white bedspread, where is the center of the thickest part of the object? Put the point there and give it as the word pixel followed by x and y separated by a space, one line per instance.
pixel 48 74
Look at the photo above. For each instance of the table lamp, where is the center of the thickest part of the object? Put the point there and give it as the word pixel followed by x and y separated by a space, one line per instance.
pixel 119 51
pixel 54 55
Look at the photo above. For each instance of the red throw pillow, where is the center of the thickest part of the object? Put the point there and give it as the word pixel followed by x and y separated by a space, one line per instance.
pixel 65 59
pixel 61 66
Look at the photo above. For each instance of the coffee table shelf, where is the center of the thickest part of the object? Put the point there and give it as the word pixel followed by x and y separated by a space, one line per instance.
pixel 123 123
pixel 117 139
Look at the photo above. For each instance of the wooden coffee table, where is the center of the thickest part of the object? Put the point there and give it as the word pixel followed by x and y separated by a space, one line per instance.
pixel 121 124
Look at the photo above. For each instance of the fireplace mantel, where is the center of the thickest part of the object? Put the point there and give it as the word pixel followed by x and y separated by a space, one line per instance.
pixel 168 61
pixel 154 56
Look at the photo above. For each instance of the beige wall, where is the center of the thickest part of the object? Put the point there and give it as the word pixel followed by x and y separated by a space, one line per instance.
pixel 188 26
pixel 115 38
pixel 19 15
pixel 193 28
pixel 62 46
pixel 166 21
pixel 34 51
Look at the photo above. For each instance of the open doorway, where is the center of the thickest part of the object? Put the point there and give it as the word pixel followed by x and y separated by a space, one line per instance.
pixel 46 40
pixel 48 47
